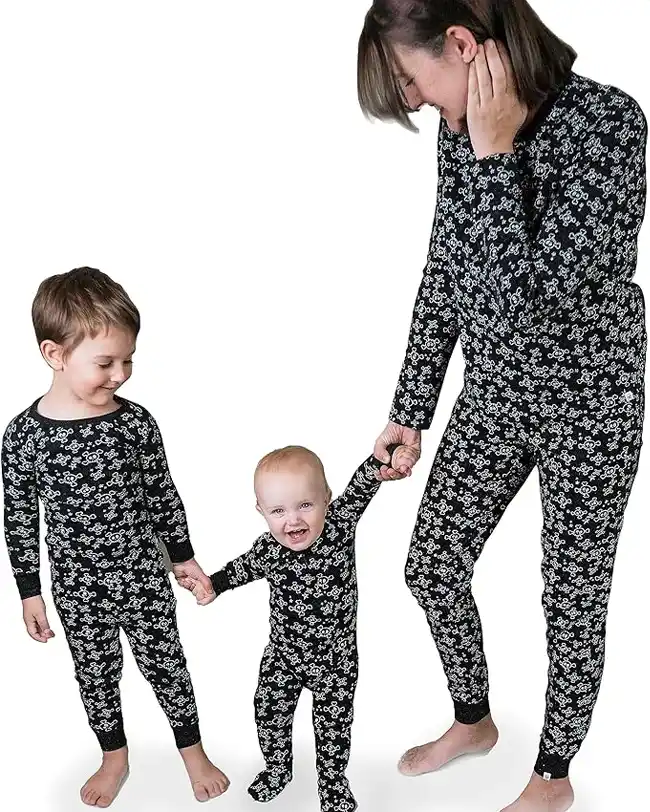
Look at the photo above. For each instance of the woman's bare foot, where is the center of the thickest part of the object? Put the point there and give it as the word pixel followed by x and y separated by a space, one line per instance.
pixel 101 788
pixel 555 795
pixel 207 780
pixel 459 740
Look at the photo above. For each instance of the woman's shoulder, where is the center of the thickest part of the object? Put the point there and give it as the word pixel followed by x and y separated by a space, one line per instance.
pixel 598 104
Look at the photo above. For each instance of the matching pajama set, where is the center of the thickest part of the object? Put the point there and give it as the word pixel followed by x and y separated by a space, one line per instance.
pixel 312 644
pixel 530 265
pixel 108 497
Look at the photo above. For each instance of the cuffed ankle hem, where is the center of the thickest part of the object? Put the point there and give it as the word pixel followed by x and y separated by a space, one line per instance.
pixel 549 766
pixel 111 740
pixel 470 713
pixel 187 736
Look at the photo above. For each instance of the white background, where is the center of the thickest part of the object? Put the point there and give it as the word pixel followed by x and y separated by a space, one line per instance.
pixel 211 156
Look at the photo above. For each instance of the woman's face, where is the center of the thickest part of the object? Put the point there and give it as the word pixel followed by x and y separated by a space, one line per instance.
pixel 439 81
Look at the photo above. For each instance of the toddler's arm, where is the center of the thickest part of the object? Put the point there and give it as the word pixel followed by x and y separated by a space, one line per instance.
pixel 249 567
pixel 163 501
pixel 365 483
pixel 21 510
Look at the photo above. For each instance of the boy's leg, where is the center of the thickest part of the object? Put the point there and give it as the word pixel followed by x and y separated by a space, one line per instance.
pixel 93 637
pixel 148 616
pixel 478 469
pixel 276 698
pixel 332 712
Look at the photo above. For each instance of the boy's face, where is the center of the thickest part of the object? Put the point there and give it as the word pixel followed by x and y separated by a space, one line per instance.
pixel 294 503
pixel 97 367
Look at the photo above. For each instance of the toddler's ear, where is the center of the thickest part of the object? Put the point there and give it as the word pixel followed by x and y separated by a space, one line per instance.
pixel 258 508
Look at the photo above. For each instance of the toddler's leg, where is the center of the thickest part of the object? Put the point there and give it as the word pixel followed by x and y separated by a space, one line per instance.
pixel 276 699
pixel 149 620
pixel 93 637
pixel 333 709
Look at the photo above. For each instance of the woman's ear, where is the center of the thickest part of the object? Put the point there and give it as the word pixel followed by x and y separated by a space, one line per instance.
pixel 53 354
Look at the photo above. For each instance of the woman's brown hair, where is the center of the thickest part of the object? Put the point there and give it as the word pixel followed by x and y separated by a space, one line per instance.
pixel 541 61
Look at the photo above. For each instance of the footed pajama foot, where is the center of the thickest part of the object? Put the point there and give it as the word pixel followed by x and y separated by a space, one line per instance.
pixel 269 784
pixel 336 796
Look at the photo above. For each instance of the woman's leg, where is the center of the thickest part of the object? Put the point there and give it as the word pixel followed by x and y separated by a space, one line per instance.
pixel 478 469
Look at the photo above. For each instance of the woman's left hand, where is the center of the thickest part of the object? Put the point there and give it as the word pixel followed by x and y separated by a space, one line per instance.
pixel 494 111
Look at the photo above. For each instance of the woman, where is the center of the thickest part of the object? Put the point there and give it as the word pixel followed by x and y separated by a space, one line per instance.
pixel 541 196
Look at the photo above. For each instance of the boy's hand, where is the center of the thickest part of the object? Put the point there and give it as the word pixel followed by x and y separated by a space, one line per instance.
pixel 190 572
pixel 397 463
pixel 35 618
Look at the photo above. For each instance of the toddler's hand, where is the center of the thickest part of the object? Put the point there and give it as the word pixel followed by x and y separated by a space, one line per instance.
pixel 189 573
pixel 398 464
pixel 35 618
pixel 203 597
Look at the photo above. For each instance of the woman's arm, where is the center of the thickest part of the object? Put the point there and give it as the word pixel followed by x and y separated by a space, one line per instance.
pixel 433 335
pixel 589 230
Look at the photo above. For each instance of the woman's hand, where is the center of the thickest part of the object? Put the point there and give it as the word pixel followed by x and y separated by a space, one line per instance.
pixel 35 617
pixel 495 113
pixel 403 459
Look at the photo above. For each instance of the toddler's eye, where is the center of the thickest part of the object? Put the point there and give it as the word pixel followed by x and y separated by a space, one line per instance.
pixel 276 511
pixel 306 505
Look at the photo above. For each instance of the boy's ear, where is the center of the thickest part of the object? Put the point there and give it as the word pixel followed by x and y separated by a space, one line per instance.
pixel 257 507
pixel 329 495
pixel 53 354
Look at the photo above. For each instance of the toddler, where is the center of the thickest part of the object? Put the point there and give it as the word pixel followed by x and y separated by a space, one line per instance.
pixel 308 558
pixel 97 462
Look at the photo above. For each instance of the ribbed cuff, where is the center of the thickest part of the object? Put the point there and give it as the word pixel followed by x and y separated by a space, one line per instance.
pixel 29 586
pixel 112 739
pixel 549 766
pixel 220 582
pixel 470 713
pixel 187 736
pixel 178 553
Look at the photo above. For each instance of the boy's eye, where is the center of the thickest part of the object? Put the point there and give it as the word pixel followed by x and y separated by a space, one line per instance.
pixel 306 505
pixel 277 511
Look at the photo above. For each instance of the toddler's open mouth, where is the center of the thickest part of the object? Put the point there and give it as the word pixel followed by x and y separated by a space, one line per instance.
pixel 297 535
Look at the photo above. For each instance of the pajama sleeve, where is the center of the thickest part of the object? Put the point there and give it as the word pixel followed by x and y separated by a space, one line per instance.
pixel 433 333
pixel 583 235
pixel 249 567
pixel 21 510
pixel 164 504
pixel 352 503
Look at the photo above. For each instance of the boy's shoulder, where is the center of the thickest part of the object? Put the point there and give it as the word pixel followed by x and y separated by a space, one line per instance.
pixel 22 424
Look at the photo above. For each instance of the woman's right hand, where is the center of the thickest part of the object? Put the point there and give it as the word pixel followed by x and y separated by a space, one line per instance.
pixel 35 617
pixel 403 459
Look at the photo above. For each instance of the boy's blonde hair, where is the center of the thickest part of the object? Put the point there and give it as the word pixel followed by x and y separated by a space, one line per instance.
pixel 83 302
pixel 291 456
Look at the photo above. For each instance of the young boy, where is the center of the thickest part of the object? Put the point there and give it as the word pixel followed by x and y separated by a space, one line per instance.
pixel 308 558
pixel 98 464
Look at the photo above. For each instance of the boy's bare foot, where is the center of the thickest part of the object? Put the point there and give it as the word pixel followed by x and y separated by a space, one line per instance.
pixel 207 780
pixel 459 740
pixel 555 795
pixel 101 788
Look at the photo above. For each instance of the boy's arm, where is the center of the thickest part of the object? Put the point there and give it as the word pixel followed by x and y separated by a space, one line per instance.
pixel 164 504
pixel 21 511
pixel 243 570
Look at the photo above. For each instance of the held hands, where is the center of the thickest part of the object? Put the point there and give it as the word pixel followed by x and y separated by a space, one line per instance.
pixel 190 576
pixel 35 618
pixel 495 113
pixel 400 463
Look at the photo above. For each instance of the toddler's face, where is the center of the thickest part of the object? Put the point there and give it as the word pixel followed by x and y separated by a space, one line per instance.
pixel 294 503
pixel 98 366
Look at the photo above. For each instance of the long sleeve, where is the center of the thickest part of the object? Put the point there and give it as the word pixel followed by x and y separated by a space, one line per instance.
pixel 243 570
pixel 364 484
pixel 433 333
pixel 21 510
pixel 164 504
pixel 589 230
